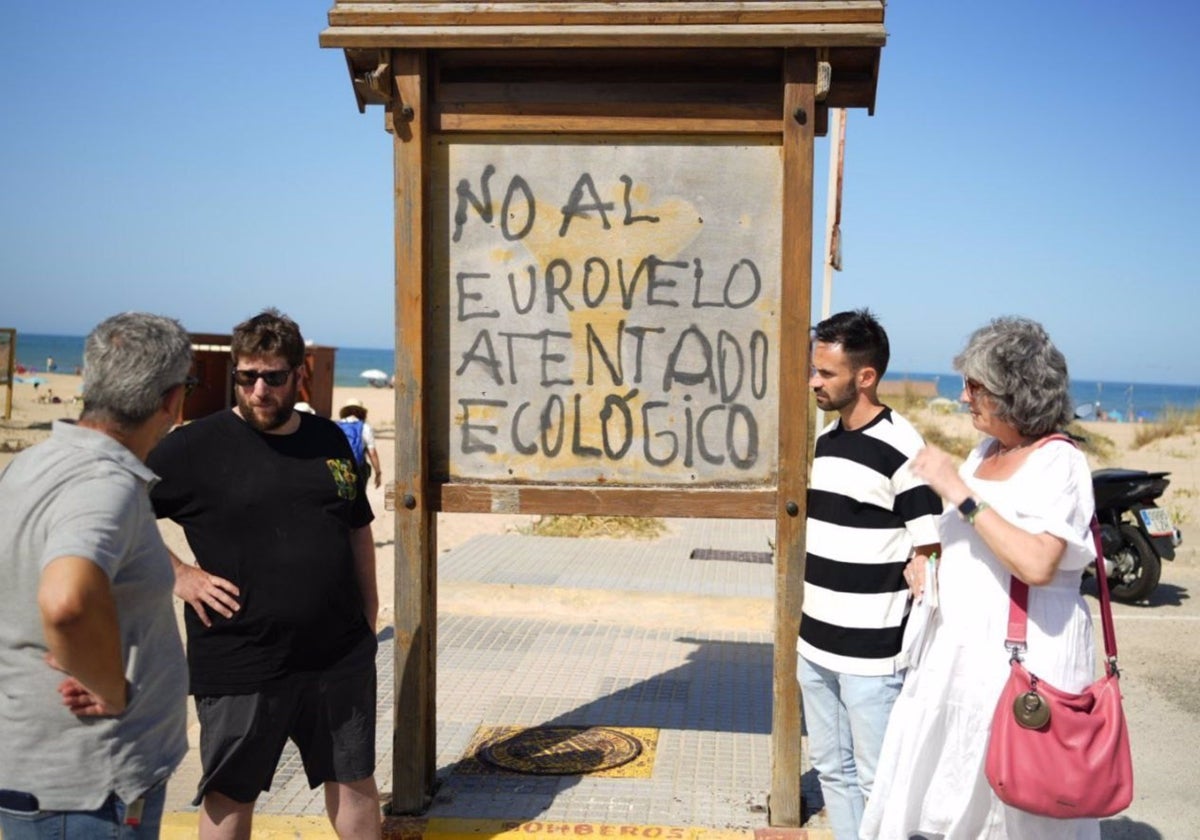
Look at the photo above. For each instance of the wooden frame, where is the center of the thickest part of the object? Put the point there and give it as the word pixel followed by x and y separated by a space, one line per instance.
pixel 8 362
pixel 762 68
pixel 415 736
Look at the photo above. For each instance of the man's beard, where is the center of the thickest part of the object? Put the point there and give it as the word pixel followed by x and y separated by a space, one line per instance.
pixel 275 412
pixel 840 401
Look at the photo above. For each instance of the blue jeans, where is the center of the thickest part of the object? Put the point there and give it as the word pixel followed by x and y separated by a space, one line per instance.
pixel 105 823
pixel 846 716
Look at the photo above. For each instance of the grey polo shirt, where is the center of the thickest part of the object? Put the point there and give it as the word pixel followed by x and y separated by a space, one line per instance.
pixel 83 494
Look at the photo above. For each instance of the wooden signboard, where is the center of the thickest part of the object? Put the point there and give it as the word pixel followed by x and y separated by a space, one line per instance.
pixel 603 238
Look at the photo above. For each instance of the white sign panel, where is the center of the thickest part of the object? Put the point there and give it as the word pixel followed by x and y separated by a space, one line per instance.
pixel 613 311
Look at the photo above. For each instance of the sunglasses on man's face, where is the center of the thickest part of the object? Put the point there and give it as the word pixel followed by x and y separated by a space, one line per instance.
pixel 274 378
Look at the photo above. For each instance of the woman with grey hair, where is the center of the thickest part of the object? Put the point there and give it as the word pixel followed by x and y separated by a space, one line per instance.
pixel 1020 505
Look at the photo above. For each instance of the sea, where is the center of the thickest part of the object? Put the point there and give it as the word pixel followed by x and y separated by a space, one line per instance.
pixel 1128 401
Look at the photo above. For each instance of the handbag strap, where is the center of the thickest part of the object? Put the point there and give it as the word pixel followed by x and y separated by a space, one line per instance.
pixel 1018 594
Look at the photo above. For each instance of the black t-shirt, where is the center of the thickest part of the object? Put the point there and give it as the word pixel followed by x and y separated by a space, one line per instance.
pixel 273 514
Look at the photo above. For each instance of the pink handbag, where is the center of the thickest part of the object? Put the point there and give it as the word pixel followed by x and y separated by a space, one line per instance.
pixel 1051 752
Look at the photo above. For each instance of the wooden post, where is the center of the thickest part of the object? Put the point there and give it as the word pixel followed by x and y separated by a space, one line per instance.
pixel 799 109
pixel 833 218
pixel 8 361
pixel 414 742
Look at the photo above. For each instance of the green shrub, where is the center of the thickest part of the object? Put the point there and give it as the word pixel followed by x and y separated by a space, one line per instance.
pixel 1171 423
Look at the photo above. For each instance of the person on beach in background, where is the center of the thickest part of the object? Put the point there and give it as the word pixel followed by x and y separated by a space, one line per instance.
pixel 93 715
pixel 283 599
pixel 867 515
pixel 1020 505
pixel 353 421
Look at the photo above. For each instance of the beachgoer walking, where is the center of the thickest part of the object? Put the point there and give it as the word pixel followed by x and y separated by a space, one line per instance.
pixel 353 421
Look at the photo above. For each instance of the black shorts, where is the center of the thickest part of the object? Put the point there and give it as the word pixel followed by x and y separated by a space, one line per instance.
pixel 329 715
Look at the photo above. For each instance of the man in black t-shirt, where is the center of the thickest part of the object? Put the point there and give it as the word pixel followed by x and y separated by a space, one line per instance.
pixel 281 634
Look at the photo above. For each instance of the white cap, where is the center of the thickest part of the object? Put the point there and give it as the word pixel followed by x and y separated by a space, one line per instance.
pixel 353 401
pixel 305 407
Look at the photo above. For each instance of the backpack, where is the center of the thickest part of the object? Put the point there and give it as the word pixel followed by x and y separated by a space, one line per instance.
pixel 353 429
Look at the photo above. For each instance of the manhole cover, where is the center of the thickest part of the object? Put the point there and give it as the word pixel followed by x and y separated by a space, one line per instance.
pixel 731 556
pixel 562 750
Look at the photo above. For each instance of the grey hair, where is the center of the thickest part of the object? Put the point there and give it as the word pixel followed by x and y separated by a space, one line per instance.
pixel 129 362
pixel 1026 375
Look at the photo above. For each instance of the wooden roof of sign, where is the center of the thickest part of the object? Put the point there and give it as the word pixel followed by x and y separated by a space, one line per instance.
pixel 848 34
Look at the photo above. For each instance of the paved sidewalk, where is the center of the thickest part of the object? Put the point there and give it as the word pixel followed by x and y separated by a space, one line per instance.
pixel 669 636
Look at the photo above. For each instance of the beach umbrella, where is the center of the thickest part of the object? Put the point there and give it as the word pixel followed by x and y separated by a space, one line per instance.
pixel 376 378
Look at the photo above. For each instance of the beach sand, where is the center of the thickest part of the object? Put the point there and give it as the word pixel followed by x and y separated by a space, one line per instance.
pixel 1180 455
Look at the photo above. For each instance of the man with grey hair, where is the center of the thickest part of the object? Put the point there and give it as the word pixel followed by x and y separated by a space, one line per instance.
pixel 92 714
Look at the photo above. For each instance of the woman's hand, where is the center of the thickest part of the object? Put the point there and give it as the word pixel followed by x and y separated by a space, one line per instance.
pixel 937 469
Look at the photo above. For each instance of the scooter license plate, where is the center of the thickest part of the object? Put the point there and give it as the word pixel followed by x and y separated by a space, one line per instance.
pixel 1157 521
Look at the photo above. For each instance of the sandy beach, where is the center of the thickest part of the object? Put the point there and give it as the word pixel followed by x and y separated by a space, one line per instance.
pixel 34 409
pixel 33 412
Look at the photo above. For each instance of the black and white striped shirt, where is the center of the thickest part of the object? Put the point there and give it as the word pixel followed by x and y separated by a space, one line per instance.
pixel 866 512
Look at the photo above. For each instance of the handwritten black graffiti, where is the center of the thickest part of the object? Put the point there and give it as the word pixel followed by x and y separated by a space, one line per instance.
pixel 556 286
pixel 666 388
pixel 713 433
pixel 584 202
pixel 695 358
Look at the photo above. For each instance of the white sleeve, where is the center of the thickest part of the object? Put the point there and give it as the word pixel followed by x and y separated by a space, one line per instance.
pixel 1058 500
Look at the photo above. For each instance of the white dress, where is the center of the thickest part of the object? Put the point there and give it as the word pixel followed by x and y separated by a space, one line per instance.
pixel 930 780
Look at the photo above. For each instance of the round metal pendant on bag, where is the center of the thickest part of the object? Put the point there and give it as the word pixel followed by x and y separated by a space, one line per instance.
pixel 1031 710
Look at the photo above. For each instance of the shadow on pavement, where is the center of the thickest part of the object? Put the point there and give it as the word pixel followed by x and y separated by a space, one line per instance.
pixel 1164 595
pixel 1123 828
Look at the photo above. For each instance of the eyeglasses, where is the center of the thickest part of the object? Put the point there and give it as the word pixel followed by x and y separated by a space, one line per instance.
pixel 188 384
pixel 273 378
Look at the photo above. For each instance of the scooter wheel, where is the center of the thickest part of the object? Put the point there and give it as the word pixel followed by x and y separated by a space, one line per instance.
pixel 1148 570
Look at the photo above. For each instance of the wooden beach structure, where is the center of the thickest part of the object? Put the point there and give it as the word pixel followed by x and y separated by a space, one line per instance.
pixel 603 268
pixel 8 366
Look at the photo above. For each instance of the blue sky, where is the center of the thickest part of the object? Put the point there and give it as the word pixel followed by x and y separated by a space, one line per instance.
pixel 207 159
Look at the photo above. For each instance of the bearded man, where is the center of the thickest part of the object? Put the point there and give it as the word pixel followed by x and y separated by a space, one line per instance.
pixel 868 514
pixel 281 630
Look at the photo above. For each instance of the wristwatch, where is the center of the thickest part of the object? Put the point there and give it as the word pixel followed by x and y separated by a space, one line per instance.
pixel 969 508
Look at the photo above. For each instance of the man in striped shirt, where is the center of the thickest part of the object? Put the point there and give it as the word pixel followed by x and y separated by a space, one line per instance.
pixel 867 515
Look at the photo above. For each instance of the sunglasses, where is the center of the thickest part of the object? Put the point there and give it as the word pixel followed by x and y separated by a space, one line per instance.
pixel 974 387
pixel 274 378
